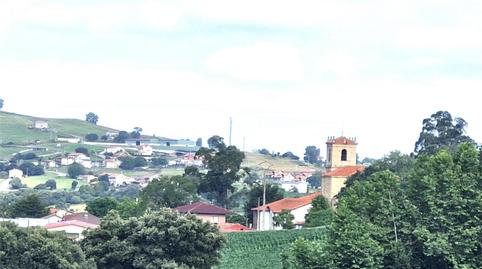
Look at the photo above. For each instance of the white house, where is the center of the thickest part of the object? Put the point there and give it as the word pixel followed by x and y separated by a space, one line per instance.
pixel 71 140
pixel 73 229
pixel 15 173
pixel 119 179
pixel 112 163
pixel 113 150
pixel 40 124
pixel 299 207
pixel 86 178
pixel 33 222
pixel 300 186
pixel 144 150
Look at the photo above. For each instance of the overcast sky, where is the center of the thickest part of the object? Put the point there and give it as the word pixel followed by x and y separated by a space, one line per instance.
pixel 289 73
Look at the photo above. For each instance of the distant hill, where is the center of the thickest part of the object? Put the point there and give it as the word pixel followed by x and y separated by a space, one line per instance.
pixel 259 162
pixel 17 129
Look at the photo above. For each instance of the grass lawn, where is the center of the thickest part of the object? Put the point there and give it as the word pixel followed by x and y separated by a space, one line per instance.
pixel 172 171
pixel 62 182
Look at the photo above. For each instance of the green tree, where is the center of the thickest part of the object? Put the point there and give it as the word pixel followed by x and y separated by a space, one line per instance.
pixel 236 218
pixel 136 133
pixel 39 248
pixel 305 254
pixel 320 213
pixel 129 208
pixel 51 184
pixel 30 169
pixel 441 131
pixel 199 142
pixel 264 151
pixel 153 241
pixel 314 180
pixel 92 118
pixel 16 184
pixel 121 137
pixel 255 197
pixel 75 170
pixel 101 206
pixel 284 219
pixel 29 206
pixel 168 192
pixel 91 137
pixel 159 161
pixel 312 154
pixel 74 185
pixel 129 163
pixel 82 150
pixel 224 163
pixel 290 155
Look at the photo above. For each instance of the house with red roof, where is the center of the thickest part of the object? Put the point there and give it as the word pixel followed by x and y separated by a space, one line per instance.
pixel 340 165
pixel 213 214
pixel 73 225
pixel 298 207
pixel 206 212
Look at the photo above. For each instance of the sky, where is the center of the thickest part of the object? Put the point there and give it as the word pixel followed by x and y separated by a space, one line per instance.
pixel 289 73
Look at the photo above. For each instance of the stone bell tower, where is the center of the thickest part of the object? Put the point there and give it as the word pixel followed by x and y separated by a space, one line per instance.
pixel 340 152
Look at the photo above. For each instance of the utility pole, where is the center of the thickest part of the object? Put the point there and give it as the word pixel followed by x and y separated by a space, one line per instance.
pixel 230 129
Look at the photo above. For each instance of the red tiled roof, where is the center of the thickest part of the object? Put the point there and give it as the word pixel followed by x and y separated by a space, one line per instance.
pixel 288 203
pixel 203 208
pixel 71 223
pixel 233 227
pixel 341 141
pixel 83 217
pixel 345 171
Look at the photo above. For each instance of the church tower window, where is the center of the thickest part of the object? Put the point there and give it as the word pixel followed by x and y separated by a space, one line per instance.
pixel 343 155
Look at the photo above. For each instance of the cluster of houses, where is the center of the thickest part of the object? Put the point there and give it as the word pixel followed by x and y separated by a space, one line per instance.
pixel 290 181
pixel 71 224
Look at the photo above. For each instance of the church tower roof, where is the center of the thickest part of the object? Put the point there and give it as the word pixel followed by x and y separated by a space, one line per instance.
pixel 341 140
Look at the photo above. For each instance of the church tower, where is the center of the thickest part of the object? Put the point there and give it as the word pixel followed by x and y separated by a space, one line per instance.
pixel 340 165
pixel 340 151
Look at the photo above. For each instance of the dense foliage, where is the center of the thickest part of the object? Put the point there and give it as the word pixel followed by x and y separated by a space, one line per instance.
pixel 38 248
pixel 430 218
pixel 169 192
pixel 155 240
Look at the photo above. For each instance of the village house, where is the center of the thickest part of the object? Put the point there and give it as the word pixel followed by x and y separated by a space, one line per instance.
pixel 299 186
pixel 40 124
pixel 340 165
pixel 111 163
pixel 119 179
pixel 113 150
pixel 206 212
pixel 299 207
pixel 71 140
pixel 73 225
pixel 86 178
pixel 15 173
pixel 144 150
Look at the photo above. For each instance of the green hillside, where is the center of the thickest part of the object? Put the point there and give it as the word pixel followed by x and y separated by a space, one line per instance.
pixel 259 162
pixel 15 128
pixel 250 250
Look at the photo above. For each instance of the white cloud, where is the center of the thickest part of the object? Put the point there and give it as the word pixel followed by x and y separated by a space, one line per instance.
pixel 264 61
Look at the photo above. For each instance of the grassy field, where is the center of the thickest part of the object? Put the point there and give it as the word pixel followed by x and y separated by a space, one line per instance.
pixel 15 128
pixel 62 182
pixel 252 250
pixel 259 162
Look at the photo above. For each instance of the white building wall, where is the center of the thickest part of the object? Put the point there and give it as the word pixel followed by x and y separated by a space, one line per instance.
pixel 71 230
pixel 300 213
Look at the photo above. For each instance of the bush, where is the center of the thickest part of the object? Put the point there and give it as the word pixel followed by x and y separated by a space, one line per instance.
pixel 75 170
pixel 16 184
pixel 51 184
pixel 82 150
pixel 91 137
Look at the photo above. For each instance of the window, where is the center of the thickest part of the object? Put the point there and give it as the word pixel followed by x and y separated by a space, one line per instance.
pixel 343 155
pixel 215 219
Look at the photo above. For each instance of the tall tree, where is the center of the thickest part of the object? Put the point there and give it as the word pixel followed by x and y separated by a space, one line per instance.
pixel 441 131
pixel 39 248
pixel 224 163
pixel 199 142
pixel 101 206
pixel 255 197
pixel 121 137
pixel 75 170
pixel 153 241
pixel 136 133
pixel 284 219
pixel 312 154
pixel 28 207
pixel 320 213
pixel 168 192
pixel 92 118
